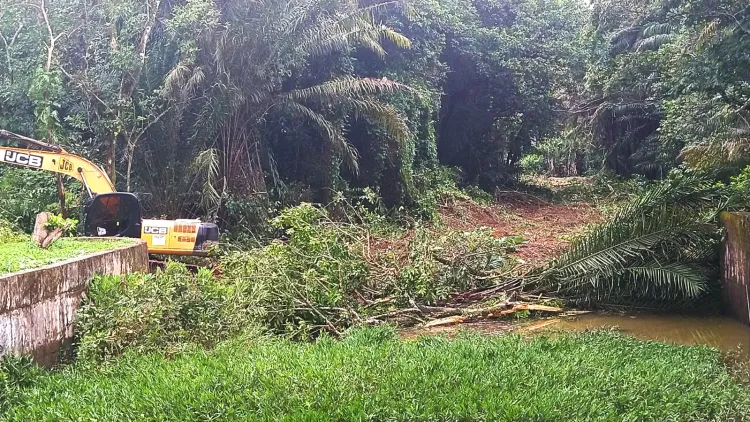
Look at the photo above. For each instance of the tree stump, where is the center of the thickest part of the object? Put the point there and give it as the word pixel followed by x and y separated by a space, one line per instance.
pixel 43 237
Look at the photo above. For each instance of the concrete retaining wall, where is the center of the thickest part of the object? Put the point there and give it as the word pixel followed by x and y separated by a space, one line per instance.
pixel 37 307
pixel 735 265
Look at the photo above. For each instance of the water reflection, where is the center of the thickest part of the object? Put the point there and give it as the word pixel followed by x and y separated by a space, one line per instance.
pixel 716 331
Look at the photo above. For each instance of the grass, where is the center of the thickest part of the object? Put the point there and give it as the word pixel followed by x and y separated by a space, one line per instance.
pixel 371 375
pixel 24 254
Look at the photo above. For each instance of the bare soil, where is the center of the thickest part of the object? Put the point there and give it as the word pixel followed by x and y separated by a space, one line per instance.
pixel 546 228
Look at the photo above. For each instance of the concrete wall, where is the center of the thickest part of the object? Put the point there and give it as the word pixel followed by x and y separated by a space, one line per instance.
pixel 735 265
pixel 37 307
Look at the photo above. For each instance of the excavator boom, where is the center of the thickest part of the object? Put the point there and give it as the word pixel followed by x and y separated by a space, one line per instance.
pixel 92 177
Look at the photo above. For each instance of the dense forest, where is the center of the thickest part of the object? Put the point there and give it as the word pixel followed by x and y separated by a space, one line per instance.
pixel 217 108
pixel 220 108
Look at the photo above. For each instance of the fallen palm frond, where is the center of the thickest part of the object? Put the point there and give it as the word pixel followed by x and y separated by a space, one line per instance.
pixel 655 250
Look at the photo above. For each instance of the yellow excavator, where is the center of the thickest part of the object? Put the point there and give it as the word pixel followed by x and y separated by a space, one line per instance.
pixel 110 213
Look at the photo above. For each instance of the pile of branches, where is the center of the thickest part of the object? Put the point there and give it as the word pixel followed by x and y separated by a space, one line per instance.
pixel 658 251
pixel 326 274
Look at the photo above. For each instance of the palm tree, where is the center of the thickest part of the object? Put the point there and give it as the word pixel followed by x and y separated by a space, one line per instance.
pixel 243 62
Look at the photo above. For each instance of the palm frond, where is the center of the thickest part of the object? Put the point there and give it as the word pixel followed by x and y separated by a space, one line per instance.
pixel 395 37
pixel 206 166
pixel 385 115
pixel 708 32
pixel 656 29
pixel 653 42
pixel 648 249
pixel 621 110
pixel 667 281
pixel 331 132
pixel 345 87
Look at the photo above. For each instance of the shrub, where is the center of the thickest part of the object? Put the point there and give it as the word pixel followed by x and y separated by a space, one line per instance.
pixel 532 164
pixel 739 190
pixel 305 283
pixel 156 312
pixel 9 233
pixel 441 262
pixel 320 276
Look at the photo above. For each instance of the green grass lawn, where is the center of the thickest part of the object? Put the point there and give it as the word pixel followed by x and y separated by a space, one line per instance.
pixel 373 376
pixel 24 255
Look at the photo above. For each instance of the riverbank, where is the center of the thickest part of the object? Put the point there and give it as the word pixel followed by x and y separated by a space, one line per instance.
pixel 371 375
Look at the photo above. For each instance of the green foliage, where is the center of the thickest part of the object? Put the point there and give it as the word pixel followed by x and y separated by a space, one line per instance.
pixel 532 164
pixel 498 94
pixel 9 234
pixel 58 222
pixel 26 193
pixel 667 86
pixel 23 254
pixel 163 311
pixel 16 374
pixel 372 374
pixel 603 189
pixel 445 262
pixel 566 155
pixel 211 105
pixel 656 251
pixel 739 191
pixel 306 282
pixel 320 276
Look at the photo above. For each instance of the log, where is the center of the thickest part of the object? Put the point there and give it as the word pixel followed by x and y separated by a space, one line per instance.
pixel 456 319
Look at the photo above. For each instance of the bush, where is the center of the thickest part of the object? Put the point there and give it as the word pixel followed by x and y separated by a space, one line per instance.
pixel 441 262
pixel 305 283
pixel 25 193
pixel 320 276
pixel 532 164
pixel 9 233
pixel 739 191
pixel 156 312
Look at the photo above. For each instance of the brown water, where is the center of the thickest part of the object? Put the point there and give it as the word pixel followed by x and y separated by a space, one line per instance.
pixel 720 332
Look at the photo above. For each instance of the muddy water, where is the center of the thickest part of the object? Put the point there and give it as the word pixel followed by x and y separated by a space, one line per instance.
pixel 720 332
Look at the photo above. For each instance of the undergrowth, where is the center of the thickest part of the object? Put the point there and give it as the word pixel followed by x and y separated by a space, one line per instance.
pixel 9 234
pixel 320 275
pixel 372 375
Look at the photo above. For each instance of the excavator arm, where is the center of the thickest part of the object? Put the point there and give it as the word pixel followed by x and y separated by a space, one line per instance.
pixel 92 177
pixel 110 213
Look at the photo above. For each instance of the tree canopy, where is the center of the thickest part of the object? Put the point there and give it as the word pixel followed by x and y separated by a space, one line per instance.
pixel 206 103
pixel 221 109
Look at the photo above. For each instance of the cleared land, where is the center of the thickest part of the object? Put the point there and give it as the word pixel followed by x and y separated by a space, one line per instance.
pixel 545 227
pixel 24 255
pixel 373 376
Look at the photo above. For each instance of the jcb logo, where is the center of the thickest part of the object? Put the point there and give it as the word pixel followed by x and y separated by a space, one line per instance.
pixel 65 165
pixel 155 230
pixel 21 158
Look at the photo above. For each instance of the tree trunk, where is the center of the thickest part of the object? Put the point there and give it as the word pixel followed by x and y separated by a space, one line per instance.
pixel 43 237
pixel 111 155
pixel 131 153
pixel 61 196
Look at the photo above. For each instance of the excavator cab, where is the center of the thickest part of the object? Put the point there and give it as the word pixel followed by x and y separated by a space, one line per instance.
pixel 113 215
